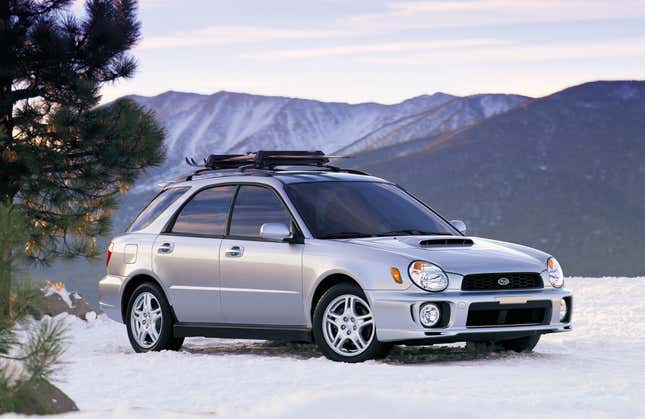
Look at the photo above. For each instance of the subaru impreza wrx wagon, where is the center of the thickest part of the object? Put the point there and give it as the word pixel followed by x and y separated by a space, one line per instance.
pixel 284 246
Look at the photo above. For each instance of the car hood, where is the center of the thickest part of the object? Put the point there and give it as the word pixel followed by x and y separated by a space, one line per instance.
pixel 461 255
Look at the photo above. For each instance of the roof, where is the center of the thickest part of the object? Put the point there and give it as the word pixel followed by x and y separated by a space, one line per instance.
pixel 271 177
pixel 313 176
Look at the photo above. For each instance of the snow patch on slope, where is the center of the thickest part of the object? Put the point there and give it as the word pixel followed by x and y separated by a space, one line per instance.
pixel 444 117
pixel 226 122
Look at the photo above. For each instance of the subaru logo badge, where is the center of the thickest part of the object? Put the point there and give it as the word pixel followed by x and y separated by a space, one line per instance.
pixel 503 281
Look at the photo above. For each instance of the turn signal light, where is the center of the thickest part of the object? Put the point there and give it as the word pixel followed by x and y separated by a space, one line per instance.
pixel 396 275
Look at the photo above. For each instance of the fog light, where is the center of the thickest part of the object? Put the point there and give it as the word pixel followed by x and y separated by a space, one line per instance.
pixel 429 315
pixel 563 309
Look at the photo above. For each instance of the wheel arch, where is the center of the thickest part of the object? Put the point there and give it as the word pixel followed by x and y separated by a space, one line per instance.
pixel 325 284
pixel 132 284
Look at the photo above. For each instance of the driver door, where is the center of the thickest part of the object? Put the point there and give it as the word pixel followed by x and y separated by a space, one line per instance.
pixel 261 280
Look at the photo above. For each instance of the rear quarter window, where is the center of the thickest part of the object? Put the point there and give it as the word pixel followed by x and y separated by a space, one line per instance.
pixel 158 205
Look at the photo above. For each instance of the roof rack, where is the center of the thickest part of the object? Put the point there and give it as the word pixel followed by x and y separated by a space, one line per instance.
pixel 267 162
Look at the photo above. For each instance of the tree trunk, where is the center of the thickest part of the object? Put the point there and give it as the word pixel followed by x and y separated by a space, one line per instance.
pixel 5 280
pixel 7 188
pixel 9 171
pixel 7 66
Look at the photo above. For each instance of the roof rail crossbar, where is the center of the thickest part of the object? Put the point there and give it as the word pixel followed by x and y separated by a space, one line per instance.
pixel 267 160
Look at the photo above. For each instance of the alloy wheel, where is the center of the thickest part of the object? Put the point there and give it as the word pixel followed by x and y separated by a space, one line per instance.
pixel 348 325
pixel 146 320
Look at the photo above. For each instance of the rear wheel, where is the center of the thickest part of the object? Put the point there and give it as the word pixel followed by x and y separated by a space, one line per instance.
pixel 150 321
pixel 344 327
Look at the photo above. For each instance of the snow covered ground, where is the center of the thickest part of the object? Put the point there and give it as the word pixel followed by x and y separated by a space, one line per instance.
pixel 596 371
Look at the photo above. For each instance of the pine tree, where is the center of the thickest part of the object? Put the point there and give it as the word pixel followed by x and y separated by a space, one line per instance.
pixel 63 158
pixel 26 364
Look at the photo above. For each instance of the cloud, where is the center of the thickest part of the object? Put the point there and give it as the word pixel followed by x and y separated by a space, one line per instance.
pixel 371 48
pixel 77 7
pixel 227 35
pixel 630 47
pixel 419 14
pixel 401 16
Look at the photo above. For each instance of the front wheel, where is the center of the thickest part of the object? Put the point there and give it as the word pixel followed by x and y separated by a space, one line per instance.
pixel 344 327
pixel 150 321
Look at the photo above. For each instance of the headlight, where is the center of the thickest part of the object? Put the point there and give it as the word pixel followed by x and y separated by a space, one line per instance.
pixel 428 276
pixel 556 276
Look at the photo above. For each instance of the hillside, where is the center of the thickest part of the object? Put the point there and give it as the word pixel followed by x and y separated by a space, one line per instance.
pixel 225 122
pixel 446 117
pixel 564 173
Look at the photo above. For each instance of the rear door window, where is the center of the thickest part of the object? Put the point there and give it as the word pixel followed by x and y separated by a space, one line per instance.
pixel 158 205
pixel 206 213
pixel 255 206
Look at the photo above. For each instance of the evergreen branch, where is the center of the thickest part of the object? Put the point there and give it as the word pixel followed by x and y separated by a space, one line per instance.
pixel 44 349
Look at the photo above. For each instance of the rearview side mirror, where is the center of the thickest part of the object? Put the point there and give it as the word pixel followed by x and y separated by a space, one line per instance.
pixel 275 232
pixel 459 225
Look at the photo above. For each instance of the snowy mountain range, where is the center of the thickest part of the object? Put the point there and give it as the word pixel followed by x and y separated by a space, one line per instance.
pixel 564 173
pixel 225 122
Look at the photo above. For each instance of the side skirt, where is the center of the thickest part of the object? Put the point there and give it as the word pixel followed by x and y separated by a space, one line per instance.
pixel 243 331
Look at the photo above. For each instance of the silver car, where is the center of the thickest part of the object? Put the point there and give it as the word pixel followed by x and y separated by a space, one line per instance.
pixel 286 247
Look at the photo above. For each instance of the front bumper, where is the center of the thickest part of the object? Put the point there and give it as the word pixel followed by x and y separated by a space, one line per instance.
pixel 397 320
pixel 110 296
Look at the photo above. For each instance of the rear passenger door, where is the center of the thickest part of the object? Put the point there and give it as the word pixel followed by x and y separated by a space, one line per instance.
pixel 186 256
pixel 261 280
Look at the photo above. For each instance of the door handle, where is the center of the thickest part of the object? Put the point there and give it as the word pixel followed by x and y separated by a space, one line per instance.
pixel 166 248
pixel 234 252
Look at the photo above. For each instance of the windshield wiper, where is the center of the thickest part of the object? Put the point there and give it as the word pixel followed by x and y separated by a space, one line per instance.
pixel 411 232
pixel 345 235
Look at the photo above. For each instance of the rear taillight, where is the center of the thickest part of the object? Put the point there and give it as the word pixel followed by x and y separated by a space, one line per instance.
pixel 109 253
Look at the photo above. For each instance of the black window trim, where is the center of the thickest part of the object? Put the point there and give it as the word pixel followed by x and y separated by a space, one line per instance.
pixel 167 230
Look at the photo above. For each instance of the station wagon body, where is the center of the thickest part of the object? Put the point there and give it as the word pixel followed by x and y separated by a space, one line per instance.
pixel 350 261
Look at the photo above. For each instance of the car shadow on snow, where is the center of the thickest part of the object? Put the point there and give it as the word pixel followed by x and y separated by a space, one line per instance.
pixel 446 354
pixel 400 355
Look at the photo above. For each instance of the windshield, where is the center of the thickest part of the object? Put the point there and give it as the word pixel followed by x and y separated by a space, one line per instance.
pixel 334 210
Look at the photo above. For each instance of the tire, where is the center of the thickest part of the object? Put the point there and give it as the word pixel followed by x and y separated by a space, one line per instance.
pixel 149 321
pixel 352 326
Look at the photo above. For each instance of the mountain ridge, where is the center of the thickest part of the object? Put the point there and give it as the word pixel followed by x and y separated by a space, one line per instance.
pixel 225 122
pixel 564 173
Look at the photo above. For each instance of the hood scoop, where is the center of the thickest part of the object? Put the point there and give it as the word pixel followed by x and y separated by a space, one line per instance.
pixel 456 241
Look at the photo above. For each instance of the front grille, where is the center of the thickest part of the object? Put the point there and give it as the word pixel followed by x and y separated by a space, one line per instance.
pixel 496 314
pixel 516 281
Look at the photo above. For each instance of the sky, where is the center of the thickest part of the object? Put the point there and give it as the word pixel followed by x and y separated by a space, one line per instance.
pixel 383 51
